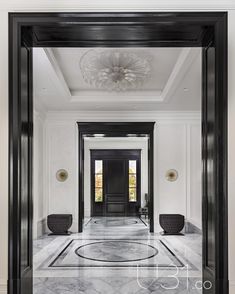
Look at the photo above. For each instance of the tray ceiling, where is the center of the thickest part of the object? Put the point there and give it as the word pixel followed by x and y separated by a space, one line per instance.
pixel 174 82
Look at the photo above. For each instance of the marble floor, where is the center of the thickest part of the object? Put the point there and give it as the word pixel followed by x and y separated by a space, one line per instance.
pixel 114 256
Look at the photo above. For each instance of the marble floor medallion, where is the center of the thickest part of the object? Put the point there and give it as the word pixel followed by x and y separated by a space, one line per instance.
pixel 116 251
pixel 88 253
pixel 116 222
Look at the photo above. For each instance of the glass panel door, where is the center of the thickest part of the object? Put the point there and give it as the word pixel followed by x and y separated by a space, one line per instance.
pixel 132 181
pixel 98 180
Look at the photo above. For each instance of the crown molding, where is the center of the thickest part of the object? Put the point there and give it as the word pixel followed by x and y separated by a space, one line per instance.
pixel 181 67
pixel 58 72
pixel 123 116
pixel 115 139
pixel 121 5
pixel 117 97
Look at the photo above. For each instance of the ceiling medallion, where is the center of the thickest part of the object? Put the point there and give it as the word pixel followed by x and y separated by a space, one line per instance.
pixel 114 70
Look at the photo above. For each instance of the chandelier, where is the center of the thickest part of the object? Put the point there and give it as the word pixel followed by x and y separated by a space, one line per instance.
pixel 114 70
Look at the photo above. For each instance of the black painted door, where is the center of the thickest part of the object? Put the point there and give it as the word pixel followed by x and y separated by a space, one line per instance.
pixel 115 187
pixel 115 182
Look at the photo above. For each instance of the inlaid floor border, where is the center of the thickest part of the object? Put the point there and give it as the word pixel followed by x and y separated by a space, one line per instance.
pixel 169 251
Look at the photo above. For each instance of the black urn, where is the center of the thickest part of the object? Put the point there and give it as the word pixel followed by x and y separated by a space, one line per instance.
pixel 59 224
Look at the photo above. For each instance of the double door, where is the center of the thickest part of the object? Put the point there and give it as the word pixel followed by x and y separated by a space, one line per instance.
pixel 115 182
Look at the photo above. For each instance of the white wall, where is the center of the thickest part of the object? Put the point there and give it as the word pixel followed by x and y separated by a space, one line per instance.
pixel 40 201
pixel 62 153
pixel 114 143
pixel 194 173
pixel 171 153
pixel 177 145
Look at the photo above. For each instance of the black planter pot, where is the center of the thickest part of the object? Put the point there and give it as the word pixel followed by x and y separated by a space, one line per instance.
pixel 172 224
pixel 59 224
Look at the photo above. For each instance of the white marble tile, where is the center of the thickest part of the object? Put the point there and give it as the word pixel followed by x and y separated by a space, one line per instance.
pixel 116 279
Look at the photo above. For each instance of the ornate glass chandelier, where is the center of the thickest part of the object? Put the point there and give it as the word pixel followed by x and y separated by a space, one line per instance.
pixel 114 70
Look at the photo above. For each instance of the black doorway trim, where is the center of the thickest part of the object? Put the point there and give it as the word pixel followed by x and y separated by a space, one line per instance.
pixel 110 29
pixel 116 129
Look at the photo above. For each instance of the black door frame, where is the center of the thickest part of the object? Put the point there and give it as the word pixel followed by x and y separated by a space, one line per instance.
pixel 106 154
pixel 116 129
pixel 146 29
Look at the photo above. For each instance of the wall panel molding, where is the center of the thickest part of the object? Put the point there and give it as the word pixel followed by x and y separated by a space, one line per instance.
pixel 176 116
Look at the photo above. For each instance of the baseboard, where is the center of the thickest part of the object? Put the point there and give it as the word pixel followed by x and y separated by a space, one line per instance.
pixel 157 227
pixel 74 228
pixel 87 213
pixel 191 228
pixel 3 287
pixel 42 227
pixel 232 287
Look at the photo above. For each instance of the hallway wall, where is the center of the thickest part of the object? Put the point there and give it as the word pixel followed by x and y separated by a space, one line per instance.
pixel 61 152
pixel 40 201
pixel 177 145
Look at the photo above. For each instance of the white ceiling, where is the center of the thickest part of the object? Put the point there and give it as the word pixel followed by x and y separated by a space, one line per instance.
pixel 68 61
pixel 175 82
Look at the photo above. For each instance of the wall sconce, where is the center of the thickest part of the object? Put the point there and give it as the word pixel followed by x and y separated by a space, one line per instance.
pixel 62 175
pixel 171 175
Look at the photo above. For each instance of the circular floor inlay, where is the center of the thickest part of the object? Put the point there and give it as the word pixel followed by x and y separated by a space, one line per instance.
pixel 114 223
pixel 116 251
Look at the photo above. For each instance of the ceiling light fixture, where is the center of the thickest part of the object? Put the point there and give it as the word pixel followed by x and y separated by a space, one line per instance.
pixel 114 70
